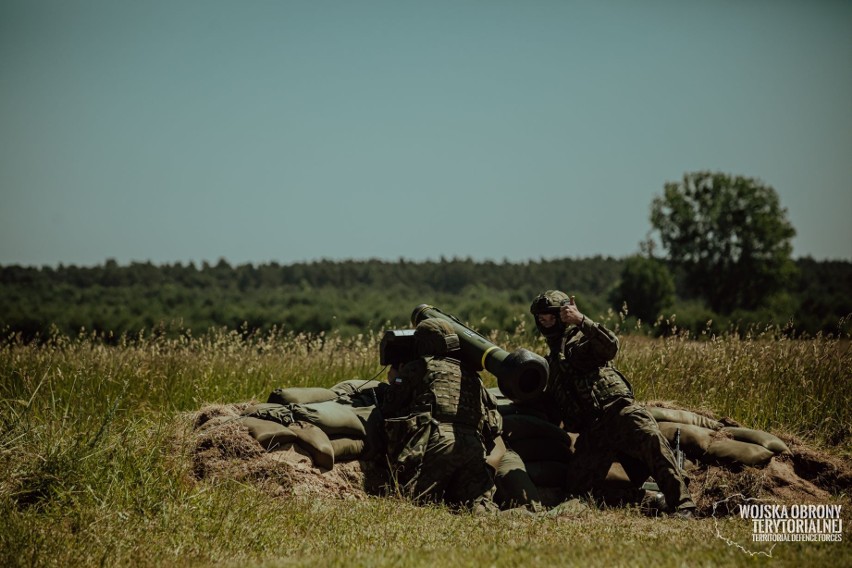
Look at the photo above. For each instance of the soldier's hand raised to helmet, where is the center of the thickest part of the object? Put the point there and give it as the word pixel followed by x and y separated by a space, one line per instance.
pixel 570 314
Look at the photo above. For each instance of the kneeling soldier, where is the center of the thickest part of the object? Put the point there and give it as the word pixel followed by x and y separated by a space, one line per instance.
pixel 590 396
pixel 438 418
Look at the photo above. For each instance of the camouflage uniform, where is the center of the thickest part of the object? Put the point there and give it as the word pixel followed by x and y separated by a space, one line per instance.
pixel 590 396
pixel 436 419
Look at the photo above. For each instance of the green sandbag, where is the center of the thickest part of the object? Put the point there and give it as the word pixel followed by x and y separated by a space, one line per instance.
pixel 553 474
pixel 533 450
pixel 301 395
pixel 728 451
pixel 346 449
pixel 498 395
pixel 514 408
pixel 265 409
pixel 521 427
pixel 616 477
pixel 694 440
pixel 683 417
pixel 547 473
pixel 759 437
pixel 333 418
pixel 495 456
pixel 354 386
pixel 314 441
pixel 514 486
pixel 506 407
pixel 271 435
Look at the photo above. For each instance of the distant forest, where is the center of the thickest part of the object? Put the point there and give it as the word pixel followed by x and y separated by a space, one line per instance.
pixel 351 297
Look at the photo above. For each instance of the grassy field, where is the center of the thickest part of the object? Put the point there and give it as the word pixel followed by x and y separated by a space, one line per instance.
pixel 91 471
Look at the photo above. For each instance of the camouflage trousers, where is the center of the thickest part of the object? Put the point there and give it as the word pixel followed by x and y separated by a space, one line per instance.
pixel 453 471
pixel 628 433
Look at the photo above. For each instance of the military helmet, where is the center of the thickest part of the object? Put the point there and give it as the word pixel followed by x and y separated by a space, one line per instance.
pixel 545 303
pixel 435 336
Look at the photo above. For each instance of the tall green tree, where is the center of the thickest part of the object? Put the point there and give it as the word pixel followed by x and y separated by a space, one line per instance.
pixel 729 235
pixel 646 286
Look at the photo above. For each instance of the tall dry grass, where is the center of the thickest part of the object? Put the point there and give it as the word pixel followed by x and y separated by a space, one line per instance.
pixel 90 473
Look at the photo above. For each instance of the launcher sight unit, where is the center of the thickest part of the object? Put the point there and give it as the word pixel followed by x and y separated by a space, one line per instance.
pixel 397 347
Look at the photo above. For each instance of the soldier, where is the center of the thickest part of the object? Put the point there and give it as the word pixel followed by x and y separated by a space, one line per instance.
pixel 436 417
pixel 590 396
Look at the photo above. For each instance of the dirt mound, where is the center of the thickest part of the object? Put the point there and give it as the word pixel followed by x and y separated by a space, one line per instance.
pixel 804 476
pixel 828 472
pixel 221 447
pixel 777 481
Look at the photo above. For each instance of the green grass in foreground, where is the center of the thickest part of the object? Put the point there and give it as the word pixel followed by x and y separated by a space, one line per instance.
pixel 92 471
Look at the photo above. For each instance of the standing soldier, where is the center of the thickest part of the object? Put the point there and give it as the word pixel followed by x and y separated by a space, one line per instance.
pixel 590 396
pixel 436 418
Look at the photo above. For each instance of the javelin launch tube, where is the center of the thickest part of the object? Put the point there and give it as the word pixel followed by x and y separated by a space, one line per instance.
pixel 521 375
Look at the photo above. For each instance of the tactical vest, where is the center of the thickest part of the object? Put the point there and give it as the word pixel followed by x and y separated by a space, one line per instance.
pixel 582 385
pixel 454 397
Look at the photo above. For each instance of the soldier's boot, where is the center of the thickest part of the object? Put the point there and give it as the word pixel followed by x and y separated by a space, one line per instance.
pixel 654 504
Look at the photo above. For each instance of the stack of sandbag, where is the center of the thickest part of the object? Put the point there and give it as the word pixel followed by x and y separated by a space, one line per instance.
pixel 546 449
pixel 537 456
pixel 539 453
pixel 709 441
pixel 515 488
pixel 538 461
pixel 336 424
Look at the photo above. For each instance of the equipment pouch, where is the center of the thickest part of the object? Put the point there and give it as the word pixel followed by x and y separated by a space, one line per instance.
pixel 407 439
pixel 609 386
pixel 493 424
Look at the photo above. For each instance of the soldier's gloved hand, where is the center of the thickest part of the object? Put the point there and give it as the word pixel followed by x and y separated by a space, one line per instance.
pixel 570 314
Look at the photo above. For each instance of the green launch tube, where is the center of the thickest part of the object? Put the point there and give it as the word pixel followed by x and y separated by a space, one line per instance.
pixel 521 375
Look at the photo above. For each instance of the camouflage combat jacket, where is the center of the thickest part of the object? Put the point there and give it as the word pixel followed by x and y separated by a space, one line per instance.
pixel 582 379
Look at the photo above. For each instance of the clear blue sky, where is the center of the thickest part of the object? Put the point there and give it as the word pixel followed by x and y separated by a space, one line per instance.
pixel 284 131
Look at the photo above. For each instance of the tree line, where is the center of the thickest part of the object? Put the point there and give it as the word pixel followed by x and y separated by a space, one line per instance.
pixel 361 296
pixel 718 259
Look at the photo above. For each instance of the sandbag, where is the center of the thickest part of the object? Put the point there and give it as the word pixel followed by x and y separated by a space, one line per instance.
pixel 513 409
pixel 726 451
pixel 353 386
pixel 533 450
pixel 694 440
pixel 495 456
pixel 547 473
pixel 333 418
pixel 617 478
pixel 271 435
pixel 683 417
pixel 514 486
pixel 520 427
pixel 617 489
pixel 498 395
pixel 314 441
pixel 364 413
pixel 264 409
pixel 271 412
pixel 300 395
pixel 507 407
pixel 346 449
pixel 769 441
